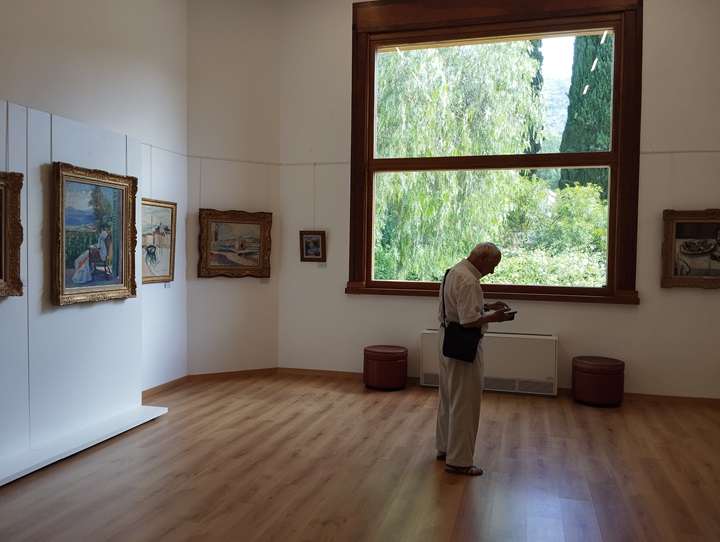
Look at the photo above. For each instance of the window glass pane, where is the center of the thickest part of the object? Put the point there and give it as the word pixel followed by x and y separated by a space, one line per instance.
pixel 550 236
pixel 545 95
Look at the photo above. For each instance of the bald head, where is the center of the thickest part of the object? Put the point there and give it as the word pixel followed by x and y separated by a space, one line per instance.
pixel 487 249
pixel 485 257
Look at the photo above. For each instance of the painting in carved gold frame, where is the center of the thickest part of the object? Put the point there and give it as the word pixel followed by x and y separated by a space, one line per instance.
pixel 691 249
pixel 234 244
pixel 158 240
pixel 95 235
pixel 11 234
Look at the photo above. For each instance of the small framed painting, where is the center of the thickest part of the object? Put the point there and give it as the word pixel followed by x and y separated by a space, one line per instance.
pixel 11 234
pixel 158 240
pixel 95 235
pixel 312 246
pixel 234 244
pixel 691 249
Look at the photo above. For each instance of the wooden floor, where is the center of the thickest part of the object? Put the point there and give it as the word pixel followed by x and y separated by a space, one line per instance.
pixel 317 458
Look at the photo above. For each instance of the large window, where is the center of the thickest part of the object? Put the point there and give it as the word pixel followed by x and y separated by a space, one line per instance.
pixel 486 125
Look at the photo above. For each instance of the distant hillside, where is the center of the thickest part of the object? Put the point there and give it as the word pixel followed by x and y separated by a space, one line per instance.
pixel 555 92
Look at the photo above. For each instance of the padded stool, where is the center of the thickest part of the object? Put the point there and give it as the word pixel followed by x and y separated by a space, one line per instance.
pixel 385 367
pixel 598 381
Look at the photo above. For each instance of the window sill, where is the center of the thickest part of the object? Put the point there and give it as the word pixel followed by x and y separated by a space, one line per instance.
pixel 496 291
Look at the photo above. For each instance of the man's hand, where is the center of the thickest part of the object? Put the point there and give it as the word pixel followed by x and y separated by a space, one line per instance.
pixel 497 306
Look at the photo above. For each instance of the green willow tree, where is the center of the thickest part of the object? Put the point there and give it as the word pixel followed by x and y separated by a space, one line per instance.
pixel 460 101
pixel 534 138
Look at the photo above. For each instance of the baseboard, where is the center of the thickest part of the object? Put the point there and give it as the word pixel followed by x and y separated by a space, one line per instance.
pixel 316 372
pixel 709 401
pixel 234 374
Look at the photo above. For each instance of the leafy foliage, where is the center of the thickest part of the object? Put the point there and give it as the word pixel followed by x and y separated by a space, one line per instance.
pixel 454 101
pixel 590 108
pixel 477 100
pixel 77 241
pixel 101 205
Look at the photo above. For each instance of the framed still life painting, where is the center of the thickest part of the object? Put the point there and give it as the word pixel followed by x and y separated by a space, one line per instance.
pixel 11 234
pixel 234 244
pixel 691 249
pixel 312 246
pixel 95 235
pixel 158 240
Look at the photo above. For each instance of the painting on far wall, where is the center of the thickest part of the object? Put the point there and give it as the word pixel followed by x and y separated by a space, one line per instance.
pixel 234 244
pixel 312 246
pixel 691 249
pixel 11 234
pixel 95 235
pixel 158 240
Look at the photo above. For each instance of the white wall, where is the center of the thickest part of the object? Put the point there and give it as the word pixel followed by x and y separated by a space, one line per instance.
pixel 119 67
pixel 78 374
pixel 72 374
pixel 233 147
pixel 320 327
pixel 99 84
pixel 232 322
pixel 164 305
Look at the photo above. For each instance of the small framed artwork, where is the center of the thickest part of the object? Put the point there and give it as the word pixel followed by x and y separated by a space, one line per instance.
pixel 158 240
pixel 95 235
pixel 691 249
pixel 11 234
pixel 312 246
pixel 234 244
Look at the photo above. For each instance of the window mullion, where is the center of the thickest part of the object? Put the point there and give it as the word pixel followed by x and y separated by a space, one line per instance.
pixel 522 161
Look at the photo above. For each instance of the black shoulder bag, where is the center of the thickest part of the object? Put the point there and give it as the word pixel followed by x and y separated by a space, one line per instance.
pixel 460 342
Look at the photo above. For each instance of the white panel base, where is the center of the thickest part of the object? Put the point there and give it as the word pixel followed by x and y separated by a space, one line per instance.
pixel 16 466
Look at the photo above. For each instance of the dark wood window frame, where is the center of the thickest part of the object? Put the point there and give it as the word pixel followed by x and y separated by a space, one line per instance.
pixel 386 20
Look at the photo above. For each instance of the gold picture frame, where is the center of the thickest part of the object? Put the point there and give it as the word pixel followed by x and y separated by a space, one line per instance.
pixel 158 240
pixel 234 244
pixel 95 235
pixel 11 234
pixel 312 246
pixel 691 249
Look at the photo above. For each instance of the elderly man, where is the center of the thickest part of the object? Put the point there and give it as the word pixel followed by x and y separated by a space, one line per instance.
pixel 461 383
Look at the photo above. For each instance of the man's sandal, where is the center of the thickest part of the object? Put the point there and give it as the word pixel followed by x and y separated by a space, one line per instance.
pixel 441 456
pixel 468 471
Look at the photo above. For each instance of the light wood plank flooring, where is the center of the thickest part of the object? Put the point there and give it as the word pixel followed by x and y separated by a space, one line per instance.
pixel 291 457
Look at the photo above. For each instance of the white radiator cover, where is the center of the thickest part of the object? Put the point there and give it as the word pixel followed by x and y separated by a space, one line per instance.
pixel 514 362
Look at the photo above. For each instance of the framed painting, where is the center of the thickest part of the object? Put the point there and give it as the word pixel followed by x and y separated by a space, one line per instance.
pixel 158 240
pixel 11 234
pixel 312 246
pixel 234 244
pixel 691 249
pixel 95 235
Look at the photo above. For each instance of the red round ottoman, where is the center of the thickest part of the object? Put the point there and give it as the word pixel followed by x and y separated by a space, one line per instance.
pixel 598 381
pixel 385 367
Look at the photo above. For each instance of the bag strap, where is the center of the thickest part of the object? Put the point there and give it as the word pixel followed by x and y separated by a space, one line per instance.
pixel 442 293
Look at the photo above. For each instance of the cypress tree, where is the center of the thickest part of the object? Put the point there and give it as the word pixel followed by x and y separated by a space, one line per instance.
pixel 588 125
